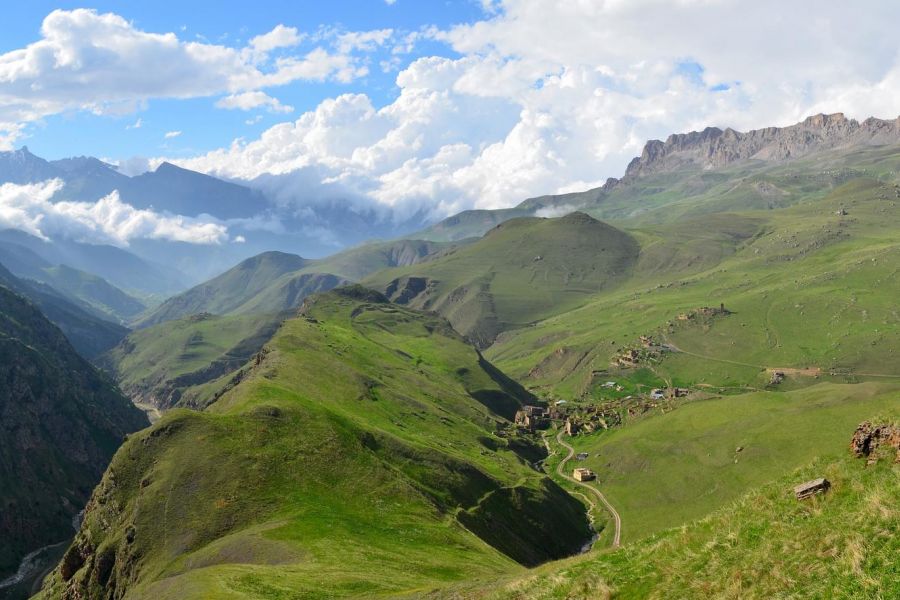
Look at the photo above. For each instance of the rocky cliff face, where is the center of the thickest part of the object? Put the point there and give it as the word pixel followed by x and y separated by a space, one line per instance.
pixel 60 423
pixel 713 147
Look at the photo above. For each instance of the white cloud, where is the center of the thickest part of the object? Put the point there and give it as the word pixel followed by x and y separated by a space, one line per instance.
pixel 109 220
pixel 172 134
pixel 136 125
pixel 101 63
pixel 363 40
pixel 279 37
pixel 252 100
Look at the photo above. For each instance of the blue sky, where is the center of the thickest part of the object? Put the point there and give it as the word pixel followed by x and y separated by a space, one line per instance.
pixel 203 127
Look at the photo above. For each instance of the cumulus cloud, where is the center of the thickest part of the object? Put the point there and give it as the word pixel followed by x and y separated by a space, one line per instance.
pixel 109 220
pixel 552 97
pixel 102 63
pixel 280 37
pixel 253 100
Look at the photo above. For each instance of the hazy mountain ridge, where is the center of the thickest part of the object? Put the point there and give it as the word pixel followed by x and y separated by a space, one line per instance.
pixel 90 334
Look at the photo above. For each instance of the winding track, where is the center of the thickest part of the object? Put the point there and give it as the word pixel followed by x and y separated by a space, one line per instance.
pixel 560 470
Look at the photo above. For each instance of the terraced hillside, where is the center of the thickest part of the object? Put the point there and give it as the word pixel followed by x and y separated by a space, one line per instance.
pixel 367 451
pixel 521 271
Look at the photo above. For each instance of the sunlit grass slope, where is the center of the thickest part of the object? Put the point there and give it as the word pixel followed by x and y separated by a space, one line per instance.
pixel 358 457
pixel 813 285
pixel 521 271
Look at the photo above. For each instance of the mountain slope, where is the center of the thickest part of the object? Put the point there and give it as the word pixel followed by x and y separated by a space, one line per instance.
pixel 184 192
pixel 177 363
pixel 356 456
pixel 121 268
pixel 357 263
pixel 767 544
pixel 714 170
pixel 521 271
pixel 88 333
pixel 60 422
pixel 93 293
pixel 268 282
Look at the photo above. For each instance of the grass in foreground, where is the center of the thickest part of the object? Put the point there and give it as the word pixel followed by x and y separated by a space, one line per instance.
pixel 766 544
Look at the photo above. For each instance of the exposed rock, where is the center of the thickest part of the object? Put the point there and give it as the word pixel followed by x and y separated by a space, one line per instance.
pixel 868 438
pixel 714 148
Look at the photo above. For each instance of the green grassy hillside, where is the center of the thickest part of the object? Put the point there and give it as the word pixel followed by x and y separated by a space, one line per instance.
pixel 60 422
pixel 766 544
pixel 665 470
pixel 357 263
pixel 810 286
pixel 95 291
pixel 522 271
pixel 367 451
pixel 178 362
pixel 268 282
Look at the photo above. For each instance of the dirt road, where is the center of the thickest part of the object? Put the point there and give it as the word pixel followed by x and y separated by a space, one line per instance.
pixel 561 471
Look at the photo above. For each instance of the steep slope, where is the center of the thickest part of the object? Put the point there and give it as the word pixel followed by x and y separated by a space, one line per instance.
pixel 60 422
pixel 521 271
pixel 88 333
pixel 268 282
pixel 767 544
pixel 177 363
pixel 365 451
pixel 90 291
pixel 95 291
pixel 715 148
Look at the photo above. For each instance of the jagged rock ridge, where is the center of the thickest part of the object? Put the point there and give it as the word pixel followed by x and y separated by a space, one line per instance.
pixel 714 148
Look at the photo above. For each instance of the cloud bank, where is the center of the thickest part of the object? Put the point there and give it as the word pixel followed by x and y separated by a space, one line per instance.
pixel 109 220
pixel 555 97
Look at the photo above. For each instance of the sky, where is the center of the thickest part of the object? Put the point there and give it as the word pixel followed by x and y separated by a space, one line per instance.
pixel 434 106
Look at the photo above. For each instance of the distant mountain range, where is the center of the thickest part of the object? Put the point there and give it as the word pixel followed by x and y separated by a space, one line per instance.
pixel 266 217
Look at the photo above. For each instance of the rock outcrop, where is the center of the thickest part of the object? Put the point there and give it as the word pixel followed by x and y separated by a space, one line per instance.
pixel 868 439
pixel 714 148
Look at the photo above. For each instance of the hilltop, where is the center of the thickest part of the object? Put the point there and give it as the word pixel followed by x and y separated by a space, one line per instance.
pixel 255 284
pixel 522 270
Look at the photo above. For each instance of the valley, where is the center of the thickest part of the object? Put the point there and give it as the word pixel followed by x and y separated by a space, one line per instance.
pixel 403 418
